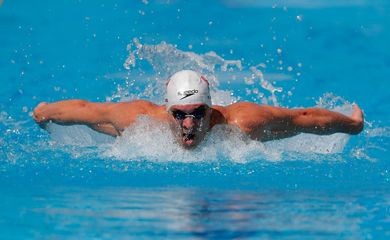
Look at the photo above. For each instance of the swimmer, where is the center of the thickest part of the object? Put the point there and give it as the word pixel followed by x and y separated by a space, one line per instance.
pixel 190 114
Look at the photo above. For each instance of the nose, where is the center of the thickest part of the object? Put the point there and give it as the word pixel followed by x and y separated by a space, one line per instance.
pixel 188 123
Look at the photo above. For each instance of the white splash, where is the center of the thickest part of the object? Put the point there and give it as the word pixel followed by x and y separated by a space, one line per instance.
pixel 153 141
pixel 166 59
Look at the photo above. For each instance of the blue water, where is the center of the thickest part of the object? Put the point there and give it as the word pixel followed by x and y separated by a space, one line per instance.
pixel 73 183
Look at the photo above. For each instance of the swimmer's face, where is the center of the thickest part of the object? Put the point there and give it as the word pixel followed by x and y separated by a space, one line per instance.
pixel 189 123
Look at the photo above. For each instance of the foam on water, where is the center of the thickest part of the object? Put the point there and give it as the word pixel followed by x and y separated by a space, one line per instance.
pixel 153 141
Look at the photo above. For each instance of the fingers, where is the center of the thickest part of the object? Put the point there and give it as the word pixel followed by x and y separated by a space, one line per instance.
pixel 38 113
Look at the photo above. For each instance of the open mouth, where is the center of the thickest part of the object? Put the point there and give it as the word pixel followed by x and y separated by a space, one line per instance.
pixel 188 138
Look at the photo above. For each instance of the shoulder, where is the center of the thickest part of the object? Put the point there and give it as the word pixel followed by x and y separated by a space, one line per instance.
pixel 248 115
pixel 247 110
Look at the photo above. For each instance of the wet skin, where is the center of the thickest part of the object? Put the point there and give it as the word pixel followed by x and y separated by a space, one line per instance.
pixel 259 122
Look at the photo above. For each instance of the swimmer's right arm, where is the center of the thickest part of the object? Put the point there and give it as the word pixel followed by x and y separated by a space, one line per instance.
pixel 69 112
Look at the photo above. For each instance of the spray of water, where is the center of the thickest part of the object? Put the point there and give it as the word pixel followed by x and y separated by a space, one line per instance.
pixel 153 141
pixel 166 59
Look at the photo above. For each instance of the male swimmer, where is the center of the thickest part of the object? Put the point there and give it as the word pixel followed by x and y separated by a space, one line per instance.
pixel 190 115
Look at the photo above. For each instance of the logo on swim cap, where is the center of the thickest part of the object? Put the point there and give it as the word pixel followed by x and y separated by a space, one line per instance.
pixel 187 87
pixel 187 93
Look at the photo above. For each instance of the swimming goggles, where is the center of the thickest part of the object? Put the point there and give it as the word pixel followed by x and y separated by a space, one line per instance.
pixel 197 114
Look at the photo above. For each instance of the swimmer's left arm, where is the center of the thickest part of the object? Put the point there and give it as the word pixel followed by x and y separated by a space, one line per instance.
pixel 290 122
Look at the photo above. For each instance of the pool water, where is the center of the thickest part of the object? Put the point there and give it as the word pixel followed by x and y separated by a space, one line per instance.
pixel 73 182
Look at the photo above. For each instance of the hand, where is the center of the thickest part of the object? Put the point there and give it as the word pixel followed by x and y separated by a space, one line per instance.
pixel 358 119
pixel 39 116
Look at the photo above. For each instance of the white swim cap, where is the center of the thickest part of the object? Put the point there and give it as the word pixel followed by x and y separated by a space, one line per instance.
pixel 187 87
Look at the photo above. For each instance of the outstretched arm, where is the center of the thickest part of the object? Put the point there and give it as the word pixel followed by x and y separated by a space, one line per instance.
pixel 266 123
pixel 95 115
pixel 289 122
